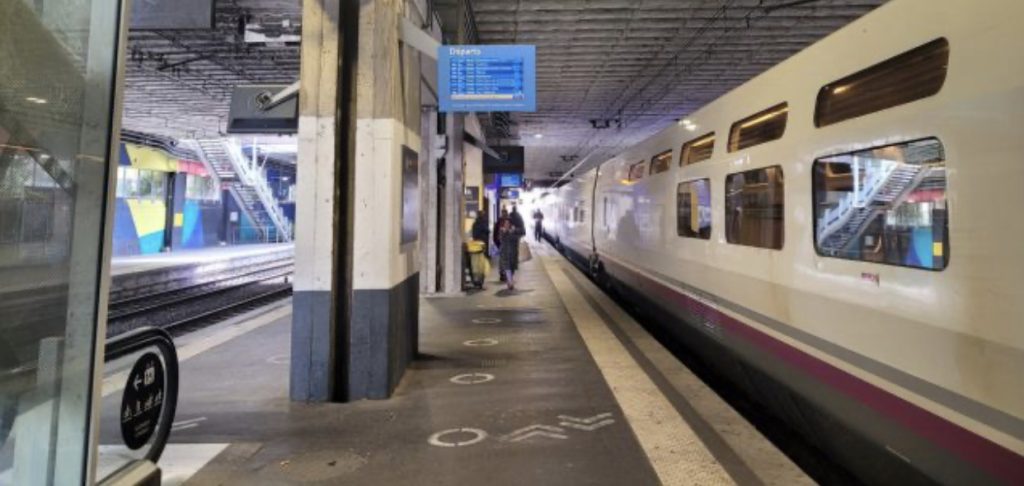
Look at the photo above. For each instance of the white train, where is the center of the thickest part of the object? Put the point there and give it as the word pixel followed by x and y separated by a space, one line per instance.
pixel 842 237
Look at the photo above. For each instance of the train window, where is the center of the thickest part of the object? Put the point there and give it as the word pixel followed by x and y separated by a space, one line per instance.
pixel 693 203
pixel 754 207
pixel 763 126
pixel 636 171
pixel 884 205
pixel 913 75
pixel 661 162
pixel 697 150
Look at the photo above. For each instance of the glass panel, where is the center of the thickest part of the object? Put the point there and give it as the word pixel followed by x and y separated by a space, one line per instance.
pixel 693 201
pixel 661 162
pixel 761 127
pixel 884 205
pixel 913 75
pixel 57 65
pixel 698 149
pixel 754 208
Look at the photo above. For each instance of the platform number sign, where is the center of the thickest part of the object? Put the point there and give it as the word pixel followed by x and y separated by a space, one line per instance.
pixel 143 401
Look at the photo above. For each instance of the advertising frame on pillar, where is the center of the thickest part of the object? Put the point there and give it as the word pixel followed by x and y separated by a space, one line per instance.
pixel 410 221
pixel 481 78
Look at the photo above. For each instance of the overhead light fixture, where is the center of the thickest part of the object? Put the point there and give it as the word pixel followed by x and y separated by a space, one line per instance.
pixel 691 127
pixel 33 99
pixel 538 135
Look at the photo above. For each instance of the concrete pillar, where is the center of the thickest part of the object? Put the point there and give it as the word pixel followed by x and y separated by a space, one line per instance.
pixel 385 272
pixel 322 255
pixel 356 303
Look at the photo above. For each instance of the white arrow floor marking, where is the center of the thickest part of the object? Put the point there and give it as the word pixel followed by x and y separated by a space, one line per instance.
pixel 536 430
pixel 588 428
pixel 585 420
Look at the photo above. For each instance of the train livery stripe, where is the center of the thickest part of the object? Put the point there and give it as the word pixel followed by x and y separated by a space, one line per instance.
pixel 983 453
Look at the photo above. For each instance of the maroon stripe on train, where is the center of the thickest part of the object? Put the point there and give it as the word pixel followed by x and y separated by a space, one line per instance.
pixel 983 453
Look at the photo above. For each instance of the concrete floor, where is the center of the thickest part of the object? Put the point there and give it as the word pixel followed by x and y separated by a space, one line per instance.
pixel 506 392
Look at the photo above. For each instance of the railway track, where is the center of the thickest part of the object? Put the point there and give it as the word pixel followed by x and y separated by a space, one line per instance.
pixel 210 300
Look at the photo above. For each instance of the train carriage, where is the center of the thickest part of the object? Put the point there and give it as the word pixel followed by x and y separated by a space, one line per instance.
pixel 837 236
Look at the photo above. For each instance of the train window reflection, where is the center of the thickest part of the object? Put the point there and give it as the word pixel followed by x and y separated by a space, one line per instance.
pixel 697 150
pixel 884 205
pixel 693 203
pixel 636 171
pixel 763 126
pixel 913 75
pixel 661 162
pixel 754 207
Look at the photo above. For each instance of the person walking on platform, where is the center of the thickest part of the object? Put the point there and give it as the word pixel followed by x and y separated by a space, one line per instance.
pixel 496 234
pixel 481 232
pixel 508 254
pixel 538 225
pixel 517 219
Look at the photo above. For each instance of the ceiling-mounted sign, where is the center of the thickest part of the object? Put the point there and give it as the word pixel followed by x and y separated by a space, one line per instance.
pixel 487 78
pixel 510 180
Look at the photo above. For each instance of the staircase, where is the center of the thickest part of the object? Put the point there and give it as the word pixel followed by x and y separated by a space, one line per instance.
pixel 248 186
pixel 857 217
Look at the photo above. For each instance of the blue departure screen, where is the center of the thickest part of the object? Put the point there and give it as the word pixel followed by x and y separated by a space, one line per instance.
pixel 510 180
pixel 487 78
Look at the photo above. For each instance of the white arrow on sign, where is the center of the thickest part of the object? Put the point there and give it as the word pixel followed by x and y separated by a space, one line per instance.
pixel 588 424
pixel 536 430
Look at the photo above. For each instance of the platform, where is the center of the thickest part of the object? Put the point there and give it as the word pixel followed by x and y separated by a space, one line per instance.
pixel 549 384
pixel 140 263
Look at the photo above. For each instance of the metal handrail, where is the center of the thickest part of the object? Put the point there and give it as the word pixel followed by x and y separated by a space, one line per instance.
pixel 135 341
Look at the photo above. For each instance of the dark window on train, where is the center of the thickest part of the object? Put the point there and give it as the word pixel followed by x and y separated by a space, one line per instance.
pixel 661 162
pixel 636 171
pixel 754 208
pixel 763 126
pixel 884 205
pixel 697 150
pixel 693 204
pixel 913 75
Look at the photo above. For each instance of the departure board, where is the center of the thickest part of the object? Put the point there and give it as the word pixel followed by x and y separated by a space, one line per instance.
pixel 487 78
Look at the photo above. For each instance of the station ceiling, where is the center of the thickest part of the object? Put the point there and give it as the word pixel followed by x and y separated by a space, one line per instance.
pixel 633 65
pixel 178 82
pixel 640 65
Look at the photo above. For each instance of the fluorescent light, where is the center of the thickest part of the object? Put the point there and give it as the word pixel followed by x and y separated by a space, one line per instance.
pixel 687 121
pixel 538 135
pixel 691 127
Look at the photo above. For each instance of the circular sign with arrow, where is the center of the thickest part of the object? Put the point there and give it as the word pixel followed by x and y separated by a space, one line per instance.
pixel 143 401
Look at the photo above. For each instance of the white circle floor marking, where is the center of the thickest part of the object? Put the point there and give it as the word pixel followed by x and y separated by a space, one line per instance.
pixel 486 320
pixel 471 378
pixel 279 359
pixel 481 342
pixel 478 434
